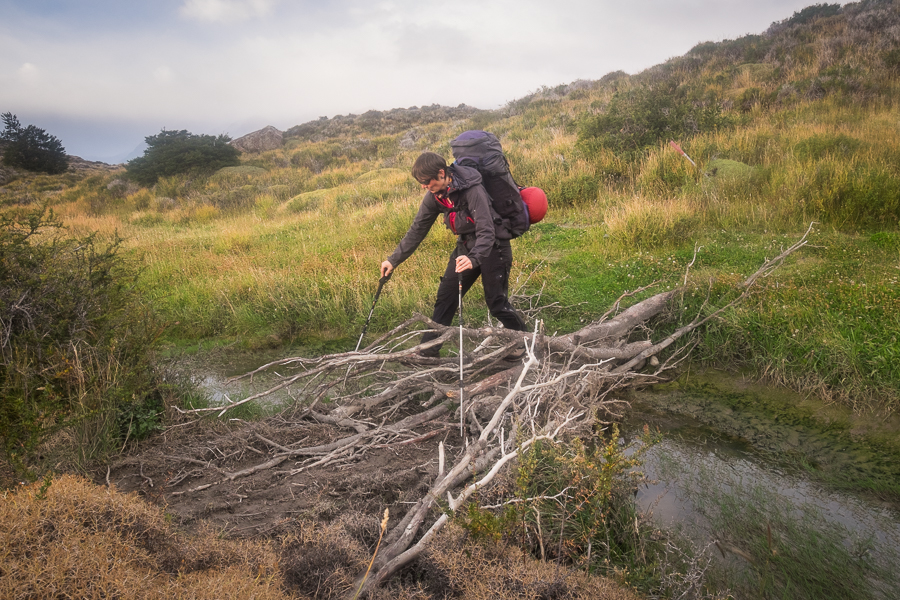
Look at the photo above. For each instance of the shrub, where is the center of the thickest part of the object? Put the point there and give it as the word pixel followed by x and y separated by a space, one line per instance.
pixel 177 152
pixel 576 508
pixel 74 345
pixel 32 148
pixel 810 13
pixel 644 116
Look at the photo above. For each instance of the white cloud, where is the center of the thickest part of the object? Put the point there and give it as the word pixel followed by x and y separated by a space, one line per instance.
pixel 29 73
pixel 163 74
pixel 226 10
pixel 287 62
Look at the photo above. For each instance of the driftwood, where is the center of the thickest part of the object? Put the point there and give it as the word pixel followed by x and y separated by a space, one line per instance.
pixel 562 384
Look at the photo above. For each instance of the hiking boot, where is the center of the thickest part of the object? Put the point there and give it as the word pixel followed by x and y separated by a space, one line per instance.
pixel 516 354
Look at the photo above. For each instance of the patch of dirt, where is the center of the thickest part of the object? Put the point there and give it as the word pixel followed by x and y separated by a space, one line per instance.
pixel 324 523
pixel 188 472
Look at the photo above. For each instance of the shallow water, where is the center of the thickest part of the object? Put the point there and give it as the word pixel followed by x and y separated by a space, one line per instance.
pixel 713 437
pixel 212 374
pixel 783 465
pixel 690 449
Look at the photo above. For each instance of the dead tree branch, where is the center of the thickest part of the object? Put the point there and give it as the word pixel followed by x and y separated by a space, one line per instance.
pixel 560 386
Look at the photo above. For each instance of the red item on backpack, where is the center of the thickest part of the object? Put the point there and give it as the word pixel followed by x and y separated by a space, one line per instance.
pixel 536 201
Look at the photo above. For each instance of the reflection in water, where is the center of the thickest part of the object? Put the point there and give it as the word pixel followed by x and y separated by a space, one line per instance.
pixel 677 470
pixel 211 374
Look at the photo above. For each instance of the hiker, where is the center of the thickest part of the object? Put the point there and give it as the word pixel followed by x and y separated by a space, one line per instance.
pixel 482 248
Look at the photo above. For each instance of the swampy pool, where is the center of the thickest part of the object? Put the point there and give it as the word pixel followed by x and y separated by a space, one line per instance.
pixel 739 466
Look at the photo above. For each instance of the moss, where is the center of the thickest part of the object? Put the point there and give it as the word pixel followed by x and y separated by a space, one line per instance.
pixel 725 169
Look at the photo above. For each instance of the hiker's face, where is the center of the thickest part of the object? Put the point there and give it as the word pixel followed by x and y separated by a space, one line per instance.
pixel 439 184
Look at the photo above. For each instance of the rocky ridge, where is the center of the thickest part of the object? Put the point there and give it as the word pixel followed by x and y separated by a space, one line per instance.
pixel 267 138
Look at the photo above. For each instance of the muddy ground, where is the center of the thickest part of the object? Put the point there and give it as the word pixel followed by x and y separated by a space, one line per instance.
pixel 324 522
pixel 171 470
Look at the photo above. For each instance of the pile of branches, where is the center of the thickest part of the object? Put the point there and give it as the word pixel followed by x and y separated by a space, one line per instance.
pixel 516 389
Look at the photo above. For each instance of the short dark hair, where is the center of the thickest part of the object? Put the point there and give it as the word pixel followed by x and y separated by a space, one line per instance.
pixel 427 167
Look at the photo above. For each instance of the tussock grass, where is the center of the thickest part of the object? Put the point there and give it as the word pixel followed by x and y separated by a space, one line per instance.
pixel 75 539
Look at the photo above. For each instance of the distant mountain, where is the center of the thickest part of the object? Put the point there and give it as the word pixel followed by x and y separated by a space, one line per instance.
pixel 376 122
pixel 124 157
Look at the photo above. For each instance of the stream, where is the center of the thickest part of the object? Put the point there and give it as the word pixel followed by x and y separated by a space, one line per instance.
pixel 739 467
pixel 212 375
pixel 689 451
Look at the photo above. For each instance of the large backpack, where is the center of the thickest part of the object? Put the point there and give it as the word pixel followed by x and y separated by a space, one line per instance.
pixel 481 150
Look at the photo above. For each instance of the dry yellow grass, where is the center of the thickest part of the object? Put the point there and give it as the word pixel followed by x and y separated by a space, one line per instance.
pixel 76 539
pixel 79 540
pixel 642 221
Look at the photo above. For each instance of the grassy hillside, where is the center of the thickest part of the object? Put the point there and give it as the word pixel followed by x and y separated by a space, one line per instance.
pixel 793 126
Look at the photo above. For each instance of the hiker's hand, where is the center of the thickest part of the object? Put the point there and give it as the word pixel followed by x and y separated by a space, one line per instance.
pixel 463 264
pixel 386 268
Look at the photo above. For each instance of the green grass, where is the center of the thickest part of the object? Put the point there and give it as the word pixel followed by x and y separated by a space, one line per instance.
pixel 304 266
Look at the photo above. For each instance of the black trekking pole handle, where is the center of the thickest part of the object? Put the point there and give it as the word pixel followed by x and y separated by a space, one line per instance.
pixel 381 283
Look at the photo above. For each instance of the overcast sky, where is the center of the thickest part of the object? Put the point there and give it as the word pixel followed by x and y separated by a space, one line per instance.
pixel 103 74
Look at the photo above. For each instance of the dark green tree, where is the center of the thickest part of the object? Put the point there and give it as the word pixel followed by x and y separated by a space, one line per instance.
pixel 175 152
pixel 31 148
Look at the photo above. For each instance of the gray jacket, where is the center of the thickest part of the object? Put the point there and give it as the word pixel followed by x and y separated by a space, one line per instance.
pixel 467 212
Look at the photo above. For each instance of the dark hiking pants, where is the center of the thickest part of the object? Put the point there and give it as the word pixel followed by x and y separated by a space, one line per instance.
pixel 494 273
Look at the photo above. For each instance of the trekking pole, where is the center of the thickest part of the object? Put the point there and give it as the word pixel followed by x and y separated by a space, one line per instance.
pixel 684 154
pixel 462 412
pixel 381 283
pixel 681 152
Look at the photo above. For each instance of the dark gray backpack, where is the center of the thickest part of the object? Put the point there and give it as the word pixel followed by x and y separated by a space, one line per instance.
pixel 481 150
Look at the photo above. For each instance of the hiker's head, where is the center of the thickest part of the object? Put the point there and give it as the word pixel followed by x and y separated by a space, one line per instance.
pixel 430 170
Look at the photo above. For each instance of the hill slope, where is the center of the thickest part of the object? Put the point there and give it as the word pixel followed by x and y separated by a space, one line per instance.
pixel 792 126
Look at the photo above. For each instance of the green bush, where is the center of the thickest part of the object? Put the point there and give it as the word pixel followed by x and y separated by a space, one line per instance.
pixel 643 117
pixel 810 13
pixel 577 508
pixel 74 344
pixel 177 152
